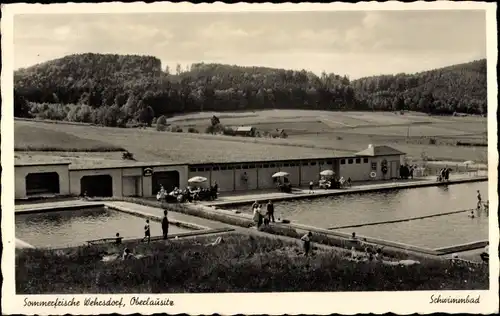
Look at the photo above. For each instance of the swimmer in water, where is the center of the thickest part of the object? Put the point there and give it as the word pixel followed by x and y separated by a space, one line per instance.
pixel 479 200
pixel 471 215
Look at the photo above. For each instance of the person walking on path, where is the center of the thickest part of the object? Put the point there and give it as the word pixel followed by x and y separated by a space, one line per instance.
pixel 479 200
pixel 307 243
pixel 164 225
pixel 147 232
pixel 256 217
pixel 270 210
pixel 311 187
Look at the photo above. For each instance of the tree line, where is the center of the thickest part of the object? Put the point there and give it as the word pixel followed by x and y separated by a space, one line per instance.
pixel 115 90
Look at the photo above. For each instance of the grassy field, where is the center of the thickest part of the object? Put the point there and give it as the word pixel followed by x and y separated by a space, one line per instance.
pixel 241 264
pixel 150 145
pixel 311 134
pixel 29 137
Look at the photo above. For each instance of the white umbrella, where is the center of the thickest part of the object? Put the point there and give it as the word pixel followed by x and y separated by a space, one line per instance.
pixel 280 174
pixel 197 179
pixel 327 173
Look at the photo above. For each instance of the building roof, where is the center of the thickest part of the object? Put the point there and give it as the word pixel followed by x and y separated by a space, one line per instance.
pixel 25 160
pixel 379 151
pixel 244 128
pixel 87 164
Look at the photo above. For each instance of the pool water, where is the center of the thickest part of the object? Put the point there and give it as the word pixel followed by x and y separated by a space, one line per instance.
pixel 435 232
pixel 68 228
pixel 359 208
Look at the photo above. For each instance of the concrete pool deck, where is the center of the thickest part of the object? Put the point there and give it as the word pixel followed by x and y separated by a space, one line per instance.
pixel 240 198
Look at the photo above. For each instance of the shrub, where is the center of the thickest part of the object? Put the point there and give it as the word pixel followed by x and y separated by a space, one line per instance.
pixel 193 130
pixel 161 124
pixel 128 156
pixel 432 141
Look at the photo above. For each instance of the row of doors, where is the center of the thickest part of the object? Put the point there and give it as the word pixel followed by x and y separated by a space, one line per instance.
pixel 97 185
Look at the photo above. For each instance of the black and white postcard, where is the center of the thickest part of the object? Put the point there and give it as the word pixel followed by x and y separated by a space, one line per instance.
pixel 249 158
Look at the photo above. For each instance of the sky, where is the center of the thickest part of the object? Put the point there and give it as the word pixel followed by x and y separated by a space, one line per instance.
pixel 353 43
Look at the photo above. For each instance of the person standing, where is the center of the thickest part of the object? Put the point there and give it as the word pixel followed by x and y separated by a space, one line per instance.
pixel 147 232
pixel 311 187
pixel 270 210
pixel 307 243
pixel 164 224
pixel 479 200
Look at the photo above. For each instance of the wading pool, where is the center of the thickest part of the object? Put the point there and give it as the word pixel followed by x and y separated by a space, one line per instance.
pixel 66 228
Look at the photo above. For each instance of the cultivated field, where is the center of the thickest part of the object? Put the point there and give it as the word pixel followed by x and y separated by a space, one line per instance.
pixel 311 134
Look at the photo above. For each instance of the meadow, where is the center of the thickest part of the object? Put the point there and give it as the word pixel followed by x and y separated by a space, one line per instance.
pixel 311 134
pixel 242 263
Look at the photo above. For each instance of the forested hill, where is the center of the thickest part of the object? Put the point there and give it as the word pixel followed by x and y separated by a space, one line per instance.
pixel 457 88
pixel 113 89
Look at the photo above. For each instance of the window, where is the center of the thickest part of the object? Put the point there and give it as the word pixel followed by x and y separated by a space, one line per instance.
pixel 358 160
pixel 342 161
pixel 305 163
pixel 329 162
pixel 350 161
pixel 215 168
pixel 266 165
pixel 251 166
pixel 374 166
pixel 286 165
pixel 192 169
pixel 223 168
pixel 365 160
pixel 272 165
pixel 313 163
pixel 245 166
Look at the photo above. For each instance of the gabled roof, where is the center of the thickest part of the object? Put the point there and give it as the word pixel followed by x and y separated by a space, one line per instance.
pixel 379 151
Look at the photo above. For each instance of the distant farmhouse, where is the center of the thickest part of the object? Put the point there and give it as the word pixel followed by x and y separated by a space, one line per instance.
pixel 248 131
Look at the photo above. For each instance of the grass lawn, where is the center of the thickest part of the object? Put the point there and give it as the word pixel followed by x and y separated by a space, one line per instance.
pixel 150 145
pixel 30 137
pixel 241 264
pixel 312 134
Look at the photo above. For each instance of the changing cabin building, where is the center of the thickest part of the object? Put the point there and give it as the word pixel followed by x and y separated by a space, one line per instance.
pixel 115 178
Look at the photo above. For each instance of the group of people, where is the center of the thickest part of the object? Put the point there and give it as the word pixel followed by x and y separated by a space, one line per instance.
pixel 260 217
pixel 164 226
pixel 443 175
pixel 332 183
pixel 188 194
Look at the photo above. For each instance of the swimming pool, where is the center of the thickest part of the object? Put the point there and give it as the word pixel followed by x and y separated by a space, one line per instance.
pixel 354 209
pixel 66 228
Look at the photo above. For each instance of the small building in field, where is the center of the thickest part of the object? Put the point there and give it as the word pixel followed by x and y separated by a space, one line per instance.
pixel 248 131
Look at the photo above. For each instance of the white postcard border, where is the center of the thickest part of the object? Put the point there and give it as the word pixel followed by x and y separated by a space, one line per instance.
pixel 253 303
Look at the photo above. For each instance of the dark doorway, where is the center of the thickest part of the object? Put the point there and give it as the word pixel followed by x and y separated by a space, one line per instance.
pixel 101 185
pixel 42 183
pixel 169 180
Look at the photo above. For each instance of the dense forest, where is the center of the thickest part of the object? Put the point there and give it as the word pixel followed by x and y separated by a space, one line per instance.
pixel 117 89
